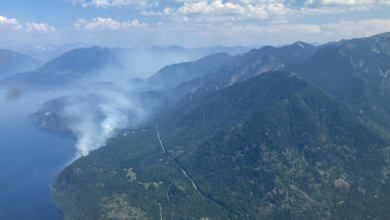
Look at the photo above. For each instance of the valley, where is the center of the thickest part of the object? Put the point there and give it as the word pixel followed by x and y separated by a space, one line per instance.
pixel 290 132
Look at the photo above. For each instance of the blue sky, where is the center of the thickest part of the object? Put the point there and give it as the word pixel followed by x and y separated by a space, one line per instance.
pixel 190 23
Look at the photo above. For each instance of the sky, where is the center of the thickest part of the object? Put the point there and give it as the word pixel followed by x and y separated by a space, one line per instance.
pixel 190 23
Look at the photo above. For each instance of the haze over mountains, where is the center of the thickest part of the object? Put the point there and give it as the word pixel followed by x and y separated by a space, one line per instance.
pixel 91 62
pixel 43 52
pixel 291 132
pixel 12 62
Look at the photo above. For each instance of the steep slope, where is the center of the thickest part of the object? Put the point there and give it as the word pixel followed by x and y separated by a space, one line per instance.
pixel 13 62
pixel 108 64
pixel 82 60
pixel 256 62
pixel 357 73
pixel 273 147
pixel 175 74
pixel 236 69
pixel 170 76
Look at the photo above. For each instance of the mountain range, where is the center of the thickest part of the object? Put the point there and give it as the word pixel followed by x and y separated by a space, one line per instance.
pixel 12 62
pixel 43 52
pixel 292 132
pixel 79 64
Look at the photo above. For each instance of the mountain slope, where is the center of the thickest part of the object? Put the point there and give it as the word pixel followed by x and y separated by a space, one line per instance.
pixel 71 66
pixel 273 147
pixel 175 74
pixel 13 62
pixel 107 64
pixel 43 52
pixel 357 73
pixel 256 62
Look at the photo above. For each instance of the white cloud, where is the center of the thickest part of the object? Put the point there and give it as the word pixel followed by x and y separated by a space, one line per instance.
pixel 97 24
pixel 116 3
pixel 134 23
pixel 40 28
pixel 106 24
pixel 279 29
pixel 322 10
pixel 384 2
pixel 339 2
pixel 217 11
pixel 313 7
pixel 13 23
pixel 274 33
pixel 219 8
pixel 170 13
pixel 215 19
pixel 152 13
pixel 280 21
pixel 353 29
pixel 257 2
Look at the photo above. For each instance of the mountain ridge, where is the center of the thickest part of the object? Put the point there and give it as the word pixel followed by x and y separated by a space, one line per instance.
pixel 13 62
pixel 267 145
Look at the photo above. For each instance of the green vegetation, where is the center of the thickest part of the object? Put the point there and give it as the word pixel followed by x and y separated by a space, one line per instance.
pixel 175 74
pixel 283 149
pixel 274 147
pixel 278 146
pixel 356 73
pixel 131 174
pixel 95 179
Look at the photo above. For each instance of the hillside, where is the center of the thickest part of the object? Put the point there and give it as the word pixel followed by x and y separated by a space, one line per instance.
pixel 100 65
pixel 356 73
pixel 168 86
pixel 12 62
pixel 63 70
pixel 258 61
pixel 273 147
pixel 175 74
pixel 43 52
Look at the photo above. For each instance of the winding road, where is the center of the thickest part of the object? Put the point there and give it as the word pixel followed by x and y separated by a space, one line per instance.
pixel 182 169
pixel 170 157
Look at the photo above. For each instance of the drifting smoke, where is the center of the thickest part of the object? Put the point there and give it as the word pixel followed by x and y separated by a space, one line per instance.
pixel 98 114
pixel 101 103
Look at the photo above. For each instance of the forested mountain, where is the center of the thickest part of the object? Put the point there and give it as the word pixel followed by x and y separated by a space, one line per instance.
pixel 175 74
pixel 169 85
pixel 13 62
pixel 258 61
pixel 236 69
pixel 356 73
pixel 106 64
pixel 67 68
pixel 273 147
pixel 237 138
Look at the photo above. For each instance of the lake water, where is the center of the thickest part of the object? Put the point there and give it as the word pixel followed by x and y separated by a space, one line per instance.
pixel 29 160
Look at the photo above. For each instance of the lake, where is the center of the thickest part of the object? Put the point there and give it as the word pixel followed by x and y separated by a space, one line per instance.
pixel 29 160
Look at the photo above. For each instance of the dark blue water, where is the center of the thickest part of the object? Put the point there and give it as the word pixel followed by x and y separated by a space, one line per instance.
pixel 29 160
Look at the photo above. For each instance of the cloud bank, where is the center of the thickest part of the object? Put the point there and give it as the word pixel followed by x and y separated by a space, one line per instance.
pixel 107 24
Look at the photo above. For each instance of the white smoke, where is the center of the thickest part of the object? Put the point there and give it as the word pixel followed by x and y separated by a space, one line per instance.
pixel 99 113
pixel 102 103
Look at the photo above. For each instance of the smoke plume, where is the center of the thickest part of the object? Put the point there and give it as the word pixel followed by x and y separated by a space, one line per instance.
pixel 99 113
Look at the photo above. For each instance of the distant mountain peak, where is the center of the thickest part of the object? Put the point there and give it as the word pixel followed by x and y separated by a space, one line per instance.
pixel 99 47
pixel 13 62
pixel 302 44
